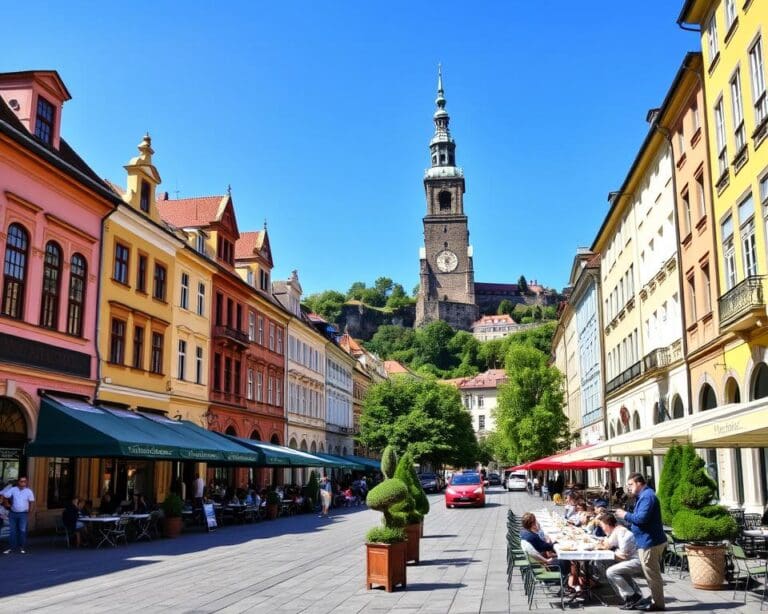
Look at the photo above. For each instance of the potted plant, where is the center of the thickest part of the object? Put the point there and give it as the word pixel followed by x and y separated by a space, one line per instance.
pixel 701 523
pixel 412 506
pixel 172 507
pixel 273 504
pixel 385 546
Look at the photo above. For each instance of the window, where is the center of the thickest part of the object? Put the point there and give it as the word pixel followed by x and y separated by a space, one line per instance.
pixel 480 400
pixel 158 290
pixel 270 384
pixel 249 391
pixel 692 299
pixel 141 274
pixel 227 373
pixel 201 299
pixel 272 336
pixel 44 121
pixel 261 330
pixel 157 353
pixel 184 298
pixel 249 277
pixel 49 301
pixel 259 386
pixel 739 131
pixel 217 371
pixel 15 271
pixel 230 312
pixel 77 276
pixel 219 308
pixel 279 340
pixel 681 142
pixel 729 254
pixel 481 422
pixel 61 482
pixel 700 195
pixel 236 388
pixel 722 150
pixel 200 242
pixel 695 117
pixel 686 212
pixel 239 317
pixel 712 39
pixel 138 347
pixel 144 197
pixel 264 280
pixel 747 232
pixel 757 72
pixel 182 366
pixel 198 365
pixel 730 14
pixel 120 273
pixel 278 392
pixel 117 342
pixel 707 288
pixel 764 190
pixel 251 326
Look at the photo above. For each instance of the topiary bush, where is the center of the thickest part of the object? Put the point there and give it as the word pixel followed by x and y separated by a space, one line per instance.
pixel 407 476
pixel 386 496
pixel 696 518
pixel 670 474
pixel 385 535
pixel 388 462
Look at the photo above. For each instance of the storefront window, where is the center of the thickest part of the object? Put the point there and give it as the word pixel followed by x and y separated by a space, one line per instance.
pixel 61 481
pixel 13 436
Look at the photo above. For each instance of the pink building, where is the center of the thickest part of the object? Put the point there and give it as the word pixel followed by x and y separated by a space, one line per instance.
pixel 51 210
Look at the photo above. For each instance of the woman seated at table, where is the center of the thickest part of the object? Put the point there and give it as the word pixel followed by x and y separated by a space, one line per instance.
pixel 543 547
pixel 570 505
pixel 71 519
pixel 577 518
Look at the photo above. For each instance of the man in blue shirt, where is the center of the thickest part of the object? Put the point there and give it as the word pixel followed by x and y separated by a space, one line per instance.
pixel 645 524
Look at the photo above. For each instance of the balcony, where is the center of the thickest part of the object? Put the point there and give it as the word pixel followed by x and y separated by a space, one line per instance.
pixel 625 377
pixel 656 359
pixel 742 305
pixel 231 334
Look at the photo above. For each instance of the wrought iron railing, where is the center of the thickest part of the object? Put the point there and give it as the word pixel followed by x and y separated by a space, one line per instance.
pixel 740 299
pixel 231 333
pixel 625 376
pixel 656 359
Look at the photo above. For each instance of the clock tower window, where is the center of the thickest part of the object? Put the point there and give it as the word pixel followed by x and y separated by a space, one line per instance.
pixel 444 198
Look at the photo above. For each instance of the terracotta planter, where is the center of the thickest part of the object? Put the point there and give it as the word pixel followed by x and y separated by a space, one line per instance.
pixel 413 537
pixel 421 529
pixel 272 511
pixel 172 526
pixel 707 566
pixel 385 565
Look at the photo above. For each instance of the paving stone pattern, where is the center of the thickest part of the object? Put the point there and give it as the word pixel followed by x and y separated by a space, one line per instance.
pixel 301 564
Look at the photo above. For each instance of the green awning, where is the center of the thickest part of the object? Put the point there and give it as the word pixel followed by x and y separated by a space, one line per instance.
pixel 280 456
pixel 74 428
pixel 339 461
pixel 368 463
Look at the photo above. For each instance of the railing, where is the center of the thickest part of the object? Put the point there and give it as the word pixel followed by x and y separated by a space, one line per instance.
pixel 625 377
pixel 656 359
pixel 742 298
pixel 231 333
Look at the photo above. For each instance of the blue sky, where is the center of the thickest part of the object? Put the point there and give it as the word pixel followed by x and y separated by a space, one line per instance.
pixel 319 116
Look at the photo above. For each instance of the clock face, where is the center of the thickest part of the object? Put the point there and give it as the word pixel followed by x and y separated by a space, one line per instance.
pixel 447 261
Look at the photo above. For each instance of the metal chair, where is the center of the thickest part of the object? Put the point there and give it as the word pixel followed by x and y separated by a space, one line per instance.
pixel 548 577
pixel 747 568
pixel 61 533
pixel 120 531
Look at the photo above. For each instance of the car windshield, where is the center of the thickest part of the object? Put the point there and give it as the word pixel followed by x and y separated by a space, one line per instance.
pixel 471 478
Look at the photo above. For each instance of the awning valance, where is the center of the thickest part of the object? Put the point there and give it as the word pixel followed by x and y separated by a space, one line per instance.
pixel 744 428
pixel 75 428
pixel 368 463
pixel 280 456
pixel 340 461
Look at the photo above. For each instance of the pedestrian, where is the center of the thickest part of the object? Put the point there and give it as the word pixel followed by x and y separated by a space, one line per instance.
pixel 22 503
pixel 620 575
pixel 326 494
pixel 645 524
pixel 198 490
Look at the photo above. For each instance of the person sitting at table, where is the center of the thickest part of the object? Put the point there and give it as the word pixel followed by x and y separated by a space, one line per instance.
pixel 570 505
pixel 620 574
pixel 531 534
pixel 140 505
pixel 70 517
pixel 106 505
pixel 577 517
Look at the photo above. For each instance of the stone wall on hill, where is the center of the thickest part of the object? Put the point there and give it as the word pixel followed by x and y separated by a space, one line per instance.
pixel 362 322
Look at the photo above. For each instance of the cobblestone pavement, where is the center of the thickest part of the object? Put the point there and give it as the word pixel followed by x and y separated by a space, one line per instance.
pixel 301 564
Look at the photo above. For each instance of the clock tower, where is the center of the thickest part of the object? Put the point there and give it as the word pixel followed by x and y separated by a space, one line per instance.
pixel 446 273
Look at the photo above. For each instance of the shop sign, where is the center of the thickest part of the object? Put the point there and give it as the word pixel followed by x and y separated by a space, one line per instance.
pixel 210 516
pixel 10 454
pixel 728 428
pixel 149 450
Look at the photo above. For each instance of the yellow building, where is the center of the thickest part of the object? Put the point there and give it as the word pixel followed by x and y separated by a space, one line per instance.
pixel 135 330
pixel 737 117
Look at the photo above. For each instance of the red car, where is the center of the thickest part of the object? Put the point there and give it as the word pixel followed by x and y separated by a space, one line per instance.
pixel 465 489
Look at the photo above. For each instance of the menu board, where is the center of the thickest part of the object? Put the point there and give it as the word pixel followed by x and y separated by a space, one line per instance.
pixel 210 516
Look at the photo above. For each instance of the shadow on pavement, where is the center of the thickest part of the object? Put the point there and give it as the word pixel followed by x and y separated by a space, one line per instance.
pixel 443 536
pixel 433 586
pixel 458 561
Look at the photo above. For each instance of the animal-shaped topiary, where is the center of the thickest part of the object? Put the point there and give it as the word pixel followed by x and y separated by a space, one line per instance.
pixel 416 504
pixel 384 498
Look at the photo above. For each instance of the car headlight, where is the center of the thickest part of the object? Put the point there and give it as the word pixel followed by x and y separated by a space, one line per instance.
pixel 450 491
pixel 479 491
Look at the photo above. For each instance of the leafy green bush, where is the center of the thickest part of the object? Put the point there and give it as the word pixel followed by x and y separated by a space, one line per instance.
pixel 407 476
pixel 696 518
pixel 670 474
pixel 386 494
pixel 388 462
pixel 172 506
pixel 385 535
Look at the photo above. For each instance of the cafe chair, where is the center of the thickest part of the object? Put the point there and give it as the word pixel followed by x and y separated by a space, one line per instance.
pixel 61 533
pixel 746 568
pixel 120 531
pixel 547 577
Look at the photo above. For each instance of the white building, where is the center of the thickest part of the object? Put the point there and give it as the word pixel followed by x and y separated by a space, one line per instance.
pixel 480 395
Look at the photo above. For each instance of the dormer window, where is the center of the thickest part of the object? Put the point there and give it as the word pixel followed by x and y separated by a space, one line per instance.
pixel 200 243
pixel 44 121
pixel 250 277
pixel 144 198
pixel 264 280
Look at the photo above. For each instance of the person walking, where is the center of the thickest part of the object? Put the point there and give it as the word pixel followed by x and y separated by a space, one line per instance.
pixel 325 496
pixel 646 525
pixel 22 503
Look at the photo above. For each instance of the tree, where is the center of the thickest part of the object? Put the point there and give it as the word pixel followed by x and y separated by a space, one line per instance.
pixel 355 292
pixel 389 339
pixel 374 298
pixel 670 475
pixel 537 313
pixel 530 406
pixel 431 345
pixel 425 417
pixel 505 307
pixel 490 354
pixel 383 286
pixel 326 304
pixel 522 285
pixel 416 290
pixel 398 298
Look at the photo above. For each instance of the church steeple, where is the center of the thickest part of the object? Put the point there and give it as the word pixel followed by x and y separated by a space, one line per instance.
pixel 442 147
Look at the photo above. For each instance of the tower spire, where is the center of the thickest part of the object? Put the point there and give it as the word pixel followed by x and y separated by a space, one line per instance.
pixel 442 146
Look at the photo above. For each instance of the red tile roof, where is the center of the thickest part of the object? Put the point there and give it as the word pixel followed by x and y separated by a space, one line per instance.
pixel 248 244
pixel 190 212
pixel 490 379
pixel 392 367
pixel 503 318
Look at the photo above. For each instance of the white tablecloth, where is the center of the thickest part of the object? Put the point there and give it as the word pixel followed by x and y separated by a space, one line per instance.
pixel 584 555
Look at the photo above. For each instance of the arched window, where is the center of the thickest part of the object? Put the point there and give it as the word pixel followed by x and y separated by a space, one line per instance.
pixel 657 417
pixel 313 447
pixel 444 199
pixel 708 398
pixel 613 432
pixel 760 382
pixel 78 269
pixel 49 303
pixel 231 431
pixel 344 450
pixel 274 440
pixel 256 436
pixel 15 271
pixel 678 411
pixel 635 421
pixel 732 392
pixel 293 445
pixel 322 448
pixel 619 430
pixel 303 446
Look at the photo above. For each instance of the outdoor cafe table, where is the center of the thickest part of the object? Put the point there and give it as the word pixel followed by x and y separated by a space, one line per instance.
pixel 756 537
pixel 104 525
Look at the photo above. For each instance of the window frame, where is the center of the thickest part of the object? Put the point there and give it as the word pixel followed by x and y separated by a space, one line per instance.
pixel 159 281
pixel 117 341
pixel 50 291
pixel 138 347
pixel 78 286
pixel 44 126
pixel 156 356
pixel 184 292
pixel 122 263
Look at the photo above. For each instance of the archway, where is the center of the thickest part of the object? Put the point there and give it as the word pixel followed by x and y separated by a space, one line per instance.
pixel 322 448
pixel 760 382
pixel 292 444
pixel 657 416
pixel 613 432
pixel 344 450
pixel 231 431
pixel 708 400
pixel 619 430
pixel 636 421
pixel 13 437
pixel 313 448
pixel 275 440
pixel 678 410
pixel 256 436
pixel 732 392
pixel 303 446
